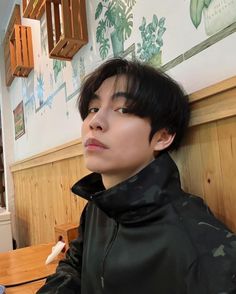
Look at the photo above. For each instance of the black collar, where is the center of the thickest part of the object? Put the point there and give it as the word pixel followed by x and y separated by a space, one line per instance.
pixel 137 198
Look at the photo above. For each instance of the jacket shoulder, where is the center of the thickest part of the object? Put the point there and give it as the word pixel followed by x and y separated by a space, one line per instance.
pixel 215 245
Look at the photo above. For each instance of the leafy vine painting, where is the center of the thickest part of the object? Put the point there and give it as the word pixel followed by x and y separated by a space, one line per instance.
pixel 149 50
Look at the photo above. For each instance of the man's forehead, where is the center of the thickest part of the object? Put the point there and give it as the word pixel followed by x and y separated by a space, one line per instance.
pixel 117 81
pixel 115 96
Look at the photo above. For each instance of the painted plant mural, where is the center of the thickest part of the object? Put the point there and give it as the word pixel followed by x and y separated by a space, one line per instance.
pixel 217 14
pixel 151 34
pixel 115 23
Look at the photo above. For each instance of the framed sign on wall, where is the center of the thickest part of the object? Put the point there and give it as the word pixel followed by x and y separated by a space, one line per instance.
pixel 19 121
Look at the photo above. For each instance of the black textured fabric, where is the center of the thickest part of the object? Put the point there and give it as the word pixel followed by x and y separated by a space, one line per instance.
pixel 146 235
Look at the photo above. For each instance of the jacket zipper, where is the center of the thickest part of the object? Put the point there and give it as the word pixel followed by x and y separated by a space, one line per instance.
pixel 107 252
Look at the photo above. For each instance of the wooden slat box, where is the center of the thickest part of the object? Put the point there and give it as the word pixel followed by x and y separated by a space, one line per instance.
pixel 8 75
pixel 66 27
pixel 21 51
pixel 15 19
pixel 33 9
pixel 66 233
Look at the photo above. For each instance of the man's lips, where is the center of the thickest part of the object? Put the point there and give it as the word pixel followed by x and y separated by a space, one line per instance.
pixel 94 143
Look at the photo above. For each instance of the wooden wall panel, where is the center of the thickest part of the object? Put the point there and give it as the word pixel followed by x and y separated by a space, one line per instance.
pixel 207 164
pixel 211 166
pixel 227 147
pixel 43 198
pixel 187 156
pixel 207 159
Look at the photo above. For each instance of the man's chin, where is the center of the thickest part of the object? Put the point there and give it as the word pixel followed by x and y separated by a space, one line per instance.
pixel 94 168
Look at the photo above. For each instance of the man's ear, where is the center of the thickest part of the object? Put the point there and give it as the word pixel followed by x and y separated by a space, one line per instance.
pixel 162 139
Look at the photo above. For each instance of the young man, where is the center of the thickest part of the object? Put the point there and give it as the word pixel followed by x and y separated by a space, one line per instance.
pixel 140 233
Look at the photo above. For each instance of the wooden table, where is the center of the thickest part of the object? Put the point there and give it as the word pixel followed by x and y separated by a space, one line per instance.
pixel 25 265
pixel 29 288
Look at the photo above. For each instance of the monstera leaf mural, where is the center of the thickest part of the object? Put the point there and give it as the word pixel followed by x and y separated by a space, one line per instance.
pixel 115 25
pixel 196 8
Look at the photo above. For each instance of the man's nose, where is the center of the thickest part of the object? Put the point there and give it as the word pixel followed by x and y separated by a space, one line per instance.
pixel 99 121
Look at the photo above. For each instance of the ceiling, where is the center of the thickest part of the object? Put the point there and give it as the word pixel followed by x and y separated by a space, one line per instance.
pixel 6 7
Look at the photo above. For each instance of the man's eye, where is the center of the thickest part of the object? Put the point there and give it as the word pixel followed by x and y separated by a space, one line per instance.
pixel 93 109
pixel 122 110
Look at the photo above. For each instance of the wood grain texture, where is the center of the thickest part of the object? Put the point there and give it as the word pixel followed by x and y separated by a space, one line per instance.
pixel 207 164
pixel 207 158
pixel 218 106
pixel 213 89
pixel 21 51
pixel 43 198
pixel 69 28
pixel 26 264
pixel 68 150
pixel 14 19
pixel 227 151
pixel 33 9
pixel 30 288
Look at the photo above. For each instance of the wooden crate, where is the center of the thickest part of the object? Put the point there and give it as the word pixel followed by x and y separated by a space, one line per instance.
pixel 66 233
pixel 66 27
pixel 21 51
pixel 15 19
pixel 8 75
pixel 33 9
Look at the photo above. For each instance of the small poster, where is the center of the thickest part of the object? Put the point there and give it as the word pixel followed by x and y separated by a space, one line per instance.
pixel 19 120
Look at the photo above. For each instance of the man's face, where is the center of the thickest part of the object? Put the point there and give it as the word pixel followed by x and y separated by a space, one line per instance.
pixel 116 143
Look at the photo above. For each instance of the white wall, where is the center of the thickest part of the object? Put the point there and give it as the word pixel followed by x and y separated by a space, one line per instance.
pixel 8 142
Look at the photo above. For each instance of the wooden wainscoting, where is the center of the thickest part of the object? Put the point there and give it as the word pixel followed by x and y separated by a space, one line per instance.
pixel 207 163
pixel 207 159
pixel 42 192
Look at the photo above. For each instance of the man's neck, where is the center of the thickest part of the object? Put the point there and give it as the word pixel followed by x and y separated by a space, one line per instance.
pixel 111 180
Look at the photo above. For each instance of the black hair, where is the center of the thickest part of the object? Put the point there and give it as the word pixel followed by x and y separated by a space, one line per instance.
pixel 151 94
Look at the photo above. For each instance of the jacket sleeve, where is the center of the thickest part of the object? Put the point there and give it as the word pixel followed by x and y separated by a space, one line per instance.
pixel 213 273
pixel 67 278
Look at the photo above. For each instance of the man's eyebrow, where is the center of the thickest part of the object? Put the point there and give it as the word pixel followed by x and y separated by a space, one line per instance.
pixel 94 97
pixel 120 94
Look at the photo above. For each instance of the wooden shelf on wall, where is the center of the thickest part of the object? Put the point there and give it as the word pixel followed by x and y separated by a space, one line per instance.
pixel 8 75
pixel 15 19
pixel 66 27
pixel 33 9
pixel 21 51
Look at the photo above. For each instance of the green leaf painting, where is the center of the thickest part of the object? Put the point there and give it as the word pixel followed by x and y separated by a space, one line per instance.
pixel 104 48
pixel 130 3
pixel 40 88
pixel 57 67
pixel 151 35
pixel 207 2
pixel 196 9
pixel 114 26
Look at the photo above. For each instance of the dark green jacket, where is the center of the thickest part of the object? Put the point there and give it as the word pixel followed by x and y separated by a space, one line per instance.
pixel 146 236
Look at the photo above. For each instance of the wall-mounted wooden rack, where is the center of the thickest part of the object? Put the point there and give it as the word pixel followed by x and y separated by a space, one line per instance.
pixel 15 19
pixel 33 8
pixel 21 51
pixel 66 27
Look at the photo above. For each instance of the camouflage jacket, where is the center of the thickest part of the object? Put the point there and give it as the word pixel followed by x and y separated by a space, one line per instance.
pixel 145 235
